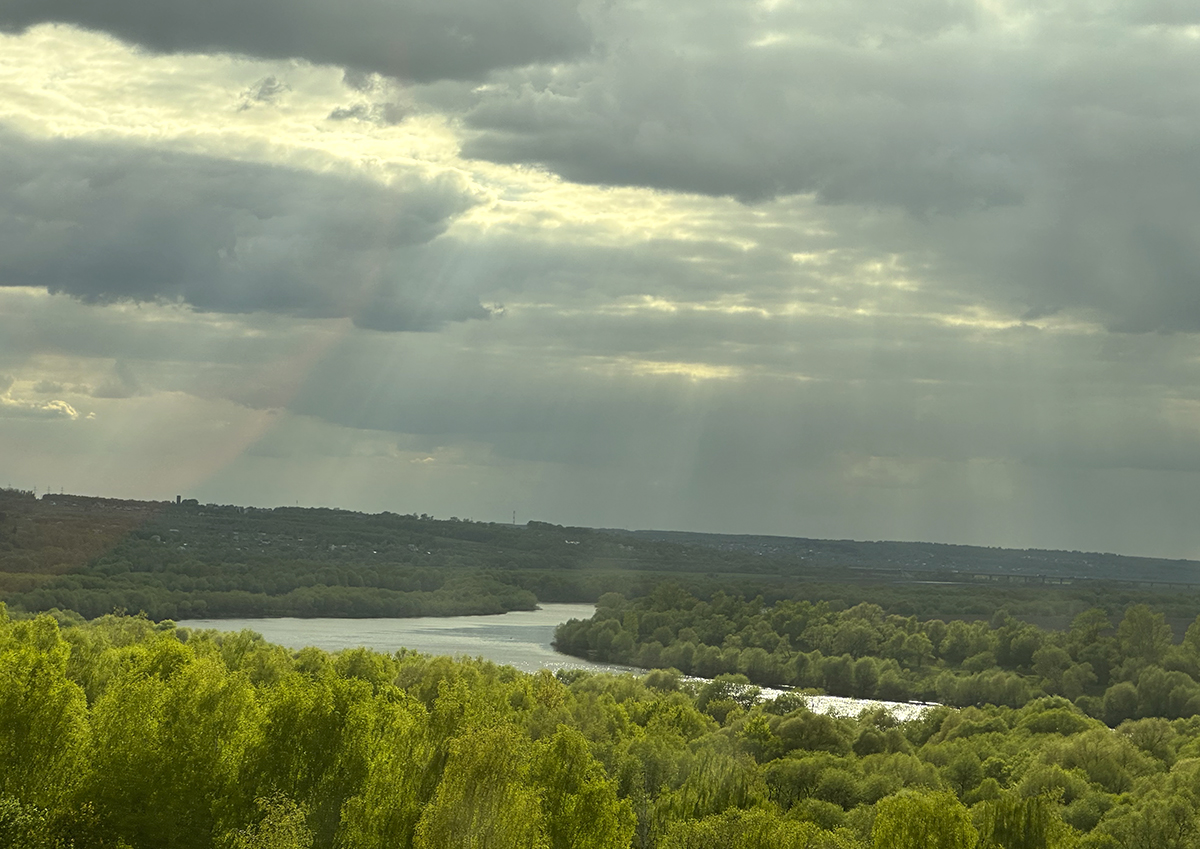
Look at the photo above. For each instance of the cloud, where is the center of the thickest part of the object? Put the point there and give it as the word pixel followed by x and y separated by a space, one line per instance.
pixel 1036 160
pixel 913 106
pixel 267 90
pixel 386 114
pixel 880 270
pixel 105 223
pixel 120 383
pixel 625 390
pixel 831 425
pixel 20 409
pixel 419 40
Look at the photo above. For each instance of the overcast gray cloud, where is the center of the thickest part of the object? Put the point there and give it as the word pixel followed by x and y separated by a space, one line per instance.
pixel 896 425
pixel 1043 155
pixel 105 223
pixel 800 389
pixel 932 107
pixel 920 269
pixel 420 40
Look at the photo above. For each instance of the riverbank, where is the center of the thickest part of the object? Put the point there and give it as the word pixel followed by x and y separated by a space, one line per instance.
pixel 521 639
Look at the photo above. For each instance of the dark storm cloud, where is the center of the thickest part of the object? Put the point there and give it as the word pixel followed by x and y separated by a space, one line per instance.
pixel 419 40
pixel 895 105
pixel 106 224
pixel 1119 237
pixel 1040 163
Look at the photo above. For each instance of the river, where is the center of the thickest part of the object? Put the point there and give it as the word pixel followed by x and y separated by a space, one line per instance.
pixel 520 639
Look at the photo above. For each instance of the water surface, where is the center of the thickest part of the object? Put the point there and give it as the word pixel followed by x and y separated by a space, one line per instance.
pixel 518 638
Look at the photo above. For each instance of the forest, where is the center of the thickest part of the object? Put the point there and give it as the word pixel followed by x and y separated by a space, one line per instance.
pixel 187 560
pixel 1066 712
pixel 125 733
pixel 1109 669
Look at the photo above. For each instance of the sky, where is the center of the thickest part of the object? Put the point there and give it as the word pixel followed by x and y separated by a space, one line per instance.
pixel 920 270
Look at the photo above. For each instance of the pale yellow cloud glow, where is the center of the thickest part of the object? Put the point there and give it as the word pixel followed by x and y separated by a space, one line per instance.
pixel 658 368
pixel 10 406
pixel 770 39
pixel 57 81
pixel 61 82
pixel 972 316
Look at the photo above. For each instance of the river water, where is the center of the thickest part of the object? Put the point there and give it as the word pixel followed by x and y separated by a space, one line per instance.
pixel 520 639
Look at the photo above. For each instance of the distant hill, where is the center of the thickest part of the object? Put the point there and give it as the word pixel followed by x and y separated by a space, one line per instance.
pixel 182 559
pixel 964 562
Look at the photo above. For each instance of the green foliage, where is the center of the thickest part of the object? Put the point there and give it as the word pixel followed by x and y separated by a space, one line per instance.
pixel 43 722
pixel 1014 822
pixel 580 805
pixel 760 828
pixel 282 826
pixel 91 556
pixel 120 734
pixel 923 821
pixel 22 826
pixel 485 799
pixel 864 652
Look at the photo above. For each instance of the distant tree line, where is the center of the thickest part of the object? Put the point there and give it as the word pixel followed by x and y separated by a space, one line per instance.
pixel 190 560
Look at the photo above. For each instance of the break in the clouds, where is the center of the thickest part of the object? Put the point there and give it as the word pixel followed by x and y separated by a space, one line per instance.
pixel 419 40
pixel 102 222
